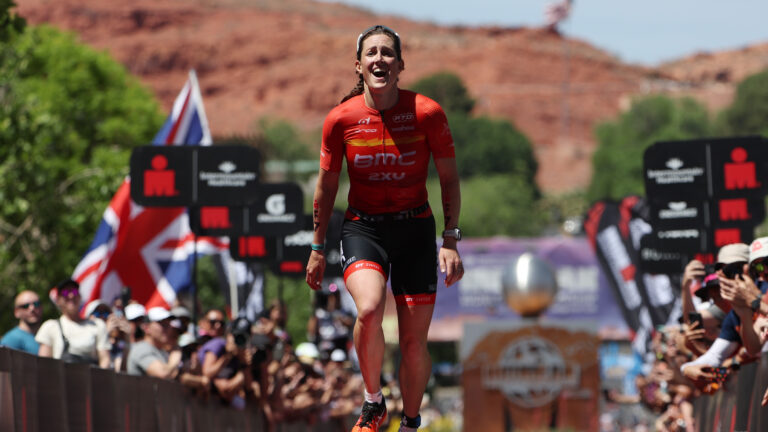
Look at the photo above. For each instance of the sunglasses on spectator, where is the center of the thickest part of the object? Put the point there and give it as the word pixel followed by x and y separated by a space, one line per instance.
pixel 759 265
pixel 35 304
pixel 731 270
pixel 373 28
pixel 216 321
pixel 101 314
pixel 69 293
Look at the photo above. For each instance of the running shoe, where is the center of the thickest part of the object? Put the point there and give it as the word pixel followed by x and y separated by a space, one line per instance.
pixel 371 418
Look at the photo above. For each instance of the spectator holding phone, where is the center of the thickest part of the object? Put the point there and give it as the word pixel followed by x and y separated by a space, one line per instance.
pixel 699 335
pixel 736 287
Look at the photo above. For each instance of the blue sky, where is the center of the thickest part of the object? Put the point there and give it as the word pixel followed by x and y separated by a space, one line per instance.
pixel 646 32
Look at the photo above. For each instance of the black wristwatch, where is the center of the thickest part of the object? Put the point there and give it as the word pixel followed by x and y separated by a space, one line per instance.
pixel 453 233
pixel 755 305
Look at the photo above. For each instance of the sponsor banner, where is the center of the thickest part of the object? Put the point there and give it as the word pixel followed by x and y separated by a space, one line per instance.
pixel 584 292
pixel 278 211
pixel 676 169
pixel 655 258
pixel 293 249
pixel 168 176
pixel 217 220
pixel 705 193
pixel 666 213
pixel 739 167
pixel 248 248
pixel 226 175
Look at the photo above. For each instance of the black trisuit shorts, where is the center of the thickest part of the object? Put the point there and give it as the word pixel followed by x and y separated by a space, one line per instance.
pixel 404 247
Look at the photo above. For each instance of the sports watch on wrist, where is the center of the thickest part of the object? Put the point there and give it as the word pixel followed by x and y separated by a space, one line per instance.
pixel 755 305
pixel 453 233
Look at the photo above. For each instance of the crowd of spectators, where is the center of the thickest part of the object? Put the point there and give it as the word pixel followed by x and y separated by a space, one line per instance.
pixel 723 325
pixel 239 363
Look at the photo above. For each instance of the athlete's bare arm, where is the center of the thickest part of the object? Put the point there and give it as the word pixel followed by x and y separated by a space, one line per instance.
pixel 325 196
pixel 449 260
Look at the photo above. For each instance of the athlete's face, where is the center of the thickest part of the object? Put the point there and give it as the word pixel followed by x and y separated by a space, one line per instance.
pixel 379 64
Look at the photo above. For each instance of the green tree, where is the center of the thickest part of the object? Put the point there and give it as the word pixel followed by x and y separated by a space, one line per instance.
pixel 68 118
pixel 496 164
pixel 617 163
pixel 748 113
pixel 11 23
pixel 496 204
pixel 486 146
pixel 448 90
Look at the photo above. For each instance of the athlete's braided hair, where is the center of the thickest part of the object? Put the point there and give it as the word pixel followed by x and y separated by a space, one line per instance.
pixel 377 29
pixel 358 90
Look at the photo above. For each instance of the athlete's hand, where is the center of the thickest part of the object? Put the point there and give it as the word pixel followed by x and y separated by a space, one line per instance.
pixel 315 269
pixel 450 263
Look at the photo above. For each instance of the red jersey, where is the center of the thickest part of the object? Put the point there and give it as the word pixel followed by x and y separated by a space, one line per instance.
pixel 387 152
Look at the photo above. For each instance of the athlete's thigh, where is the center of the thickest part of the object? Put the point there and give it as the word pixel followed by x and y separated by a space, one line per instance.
pixel 365 264
pixel 414 262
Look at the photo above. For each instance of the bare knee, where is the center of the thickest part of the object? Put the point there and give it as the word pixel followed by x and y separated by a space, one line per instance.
pixel 413 347
pixel 370 315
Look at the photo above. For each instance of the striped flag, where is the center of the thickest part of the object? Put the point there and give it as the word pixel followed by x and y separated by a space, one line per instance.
pixel 150 250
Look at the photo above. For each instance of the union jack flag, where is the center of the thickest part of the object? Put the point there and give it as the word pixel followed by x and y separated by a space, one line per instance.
pixel 151 250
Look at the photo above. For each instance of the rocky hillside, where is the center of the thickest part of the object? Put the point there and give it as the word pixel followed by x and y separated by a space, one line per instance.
pixel 294 59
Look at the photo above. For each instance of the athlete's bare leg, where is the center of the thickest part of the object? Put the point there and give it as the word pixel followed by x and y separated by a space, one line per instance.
pixel 368 289
pixel 415 365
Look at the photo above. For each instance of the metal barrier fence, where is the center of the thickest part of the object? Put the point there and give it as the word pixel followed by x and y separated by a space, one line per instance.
pixel 736 407
pixel 43 394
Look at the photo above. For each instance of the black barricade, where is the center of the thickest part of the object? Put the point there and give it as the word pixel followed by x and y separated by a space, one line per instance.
pixel 43 394
pixel 737 406
pixel 6 392
pixel 78 397
pixel 50 386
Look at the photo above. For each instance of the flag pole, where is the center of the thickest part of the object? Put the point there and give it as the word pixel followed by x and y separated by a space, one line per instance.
pixel 194 283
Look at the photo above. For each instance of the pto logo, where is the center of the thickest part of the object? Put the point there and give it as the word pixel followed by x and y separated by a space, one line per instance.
pixel 366 120
pixel 404 117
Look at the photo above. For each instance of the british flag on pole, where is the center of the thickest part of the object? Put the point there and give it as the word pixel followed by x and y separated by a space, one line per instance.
pixel 150 250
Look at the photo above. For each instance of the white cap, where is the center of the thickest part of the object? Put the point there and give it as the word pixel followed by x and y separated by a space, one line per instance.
pixel 180 312
pixel 307 350
pixel 91 307
pixel 758 249
pixel 186 339
pixel 133 311
pixel 338 355
pixel 157 314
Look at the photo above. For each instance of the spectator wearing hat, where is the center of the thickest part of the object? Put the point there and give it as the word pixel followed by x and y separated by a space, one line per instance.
pixel 150 356
pixel 118 329
pixel 697 282
pixel 182 314
pixel 70 337
pixel 191 375
pixel 745 295
pixel 135 314
pixel 745 290
pixel 28 310
pixel 699 334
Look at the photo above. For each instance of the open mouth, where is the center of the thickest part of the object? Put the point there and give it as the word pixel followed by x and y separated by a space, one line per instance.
pixel 379 73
